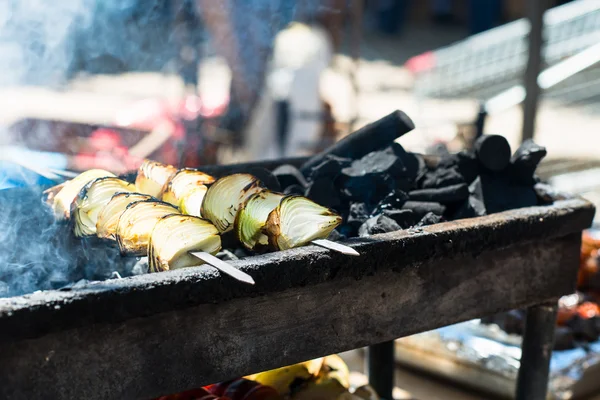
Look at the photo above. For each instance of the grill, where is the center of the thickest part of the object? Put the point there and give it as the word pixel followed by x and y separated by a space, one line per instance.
pixel 156 334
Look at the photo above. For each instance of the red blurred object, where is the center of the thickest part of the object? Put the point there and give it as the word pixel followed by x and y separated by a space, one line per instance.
pixel 588 310
pixel 194 394
pixel 149 114
pixel 422 62
pixel 105 139
pixel 244 389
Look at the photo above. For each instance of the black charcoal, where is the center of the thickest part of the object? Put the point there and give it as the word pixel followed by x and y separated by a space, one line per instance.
pixel 448 194
pixel 378 224
pixel 393 201
pixel 525 161
pixel 493 152
pixel 351 227
pixel 226 255
pixel 295 189
pixel 330 168
pixel 465 210
pixel 374 136
pixel 377 162
pixel 241 253
pixel 440 177
pixel 499 194
pixel 465 163
pixel 547 194
pixel 404 218
pixel 429 219
pixel 412 163
pixel 421 208
pixel 476 201
pixel 476 190
pixel 359 211
pixel 289 175
pixel 324 192
pixel 367 188
pixel 336 236
pixel 266 177
pixel 437 149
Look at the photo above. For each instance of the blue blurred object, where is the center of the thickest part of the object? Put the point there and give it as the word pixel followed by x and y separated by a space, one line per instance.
pixel 485 14
pixel 14 175
pixel 391 15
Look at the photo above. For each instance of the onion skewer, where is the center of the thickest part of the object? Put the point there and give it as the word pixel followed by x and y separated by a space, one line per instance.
pixel 228 196
pixel 99 200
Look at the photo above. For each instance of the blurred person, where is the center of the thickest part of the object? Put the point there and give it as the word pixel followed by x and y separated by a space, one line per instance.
pixel 244 33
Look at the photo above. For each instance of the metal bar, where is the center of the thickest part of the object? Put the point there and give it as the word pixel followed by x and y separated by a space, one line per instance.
pixel 535 15
pixel 532 382
pixel 380 368
pixel 479 123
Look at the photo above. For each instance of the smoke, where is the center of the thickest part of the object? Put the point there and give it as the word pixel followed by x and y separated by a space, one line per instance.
pixel 46 42
pixel 39 253
pixel 36 43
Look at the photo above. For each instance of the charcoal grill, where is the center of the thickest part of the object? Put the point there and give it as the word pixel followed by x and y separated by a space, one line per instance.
pixel 156 334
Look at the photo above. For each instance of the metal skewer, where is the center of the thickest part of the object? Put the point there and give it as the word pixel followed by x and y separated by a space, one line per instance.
pixel 224 267
pixel 340 248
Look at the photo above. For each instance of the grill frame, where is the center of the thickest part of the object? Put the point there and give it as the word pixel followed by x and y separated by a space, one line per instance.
pixel 155 334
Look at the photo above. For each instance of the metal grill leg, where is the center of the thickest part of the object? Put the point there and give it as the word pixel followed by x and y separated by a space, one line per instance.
pixel 532 383
pixel 380 368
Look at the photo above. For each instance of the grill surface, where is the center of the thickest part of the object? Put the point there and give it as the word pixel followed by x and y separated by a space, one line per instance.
pixel 156 334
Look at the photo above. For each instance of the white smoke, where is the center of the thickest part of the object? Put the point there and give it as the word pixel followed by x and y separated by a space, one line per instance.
pixel 36 38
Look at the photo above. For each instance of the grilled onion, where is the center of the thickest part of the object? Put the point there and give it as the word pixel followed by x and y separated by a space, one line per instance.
pixel 252 217
pixel 225 196
pixel 136 223
pixel 191 203
pixel 152 177
pixel 61 201
pixel 182 183
pixel 106 226
pixel 297 221
pixel 174 236
pixel 91 200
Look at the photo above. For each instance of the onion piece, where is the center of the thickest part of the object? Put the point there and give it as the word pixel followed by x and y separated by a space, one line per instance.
pixel 136 223
pixel 182 183
pixel 224 198
pixel 61 201
pixel 174 236
pixel 191 202
pixel 152 177
pixel 91 200
pixel 252 217
pixel 106 226
pixel 297 221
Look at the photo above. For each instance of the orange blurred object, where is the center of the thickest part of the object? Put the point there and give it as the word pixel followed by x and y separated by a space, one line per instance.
pixel 564 315
pixel 588 310
pixel 591 239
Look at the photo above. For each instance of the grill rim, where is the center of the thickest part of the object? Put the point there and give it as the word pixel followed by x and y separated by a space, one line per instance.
pixel 34 315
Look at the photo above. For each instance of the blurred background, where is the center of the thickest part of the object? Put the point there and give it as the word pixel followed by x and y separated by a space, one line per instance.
pixel 107 83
